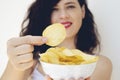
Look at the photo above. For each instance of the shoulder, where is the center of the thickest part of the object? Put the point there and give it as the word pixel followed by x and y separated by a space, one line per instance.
pixel 103 69
pixel 103 60
pixel 104 64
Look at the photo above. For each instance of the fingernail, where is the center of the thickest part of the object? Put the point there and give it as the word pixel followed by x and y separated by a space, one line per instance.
pixel 44 39
pixel 47 77
pixel 81 78
pixel 72 78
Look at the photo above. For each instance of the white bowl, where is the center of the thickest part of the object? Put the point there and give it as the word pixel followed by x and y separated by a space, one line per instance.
pixel 57 71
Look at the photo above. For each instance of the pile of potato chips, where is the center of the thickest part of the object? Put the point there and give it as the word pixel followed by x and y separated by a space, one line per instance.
pixel 65 56
pixel 55 34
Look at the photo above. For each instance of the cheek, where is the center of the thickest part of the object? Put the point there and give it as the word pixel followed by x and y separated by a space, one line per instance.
pixel 53 18
pixel 78 26
pixel 75 28
pixel 73 31
pixel 78 22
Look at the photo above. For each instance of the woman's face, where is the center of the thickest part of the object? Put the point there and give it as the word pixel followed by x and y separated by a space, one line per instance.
pixel 70 14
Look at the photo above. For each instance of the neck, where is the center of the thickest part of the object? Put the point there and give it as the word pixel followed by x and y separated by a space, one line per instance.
pixel 68 43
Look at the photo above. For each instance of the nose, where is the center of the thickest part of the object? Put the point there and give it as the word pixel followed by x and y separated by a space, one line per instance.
pixel 64 14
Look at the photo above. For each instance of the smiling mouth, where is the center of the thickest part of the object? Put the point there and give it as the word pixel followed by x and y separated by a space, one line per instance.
pixel 67 24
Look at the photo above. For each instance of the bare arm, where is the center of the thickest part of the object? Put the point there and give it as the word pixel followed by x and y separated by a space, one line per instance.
pixel 13 74
pixel 103 69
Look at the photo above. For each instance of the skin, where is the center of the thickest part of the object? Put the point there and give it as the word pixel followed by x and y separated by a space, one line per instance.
pixel 19 49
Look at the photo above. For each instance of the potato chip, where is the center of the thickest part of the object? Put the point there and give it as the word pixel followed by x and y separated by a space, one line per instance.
pixel 55 34
pixel 44 57
pixel 65 56
pixel 87 57
pixel 50 57
pixel 68 52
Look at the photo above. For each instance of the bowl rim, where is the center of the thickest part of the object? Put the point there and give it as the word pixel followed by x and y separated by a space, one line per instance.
pixel 68 64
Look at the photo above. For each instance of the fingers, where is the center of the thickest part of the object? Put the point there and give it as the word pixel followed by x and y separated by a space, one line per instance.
pixel 26 48
pixel 72 78
pixel 81 78
pixel 23 58
pixel 22 62
pixel 33 40
pixel 47 77
pixel 87 78
pixel 23 66
pixel 20 51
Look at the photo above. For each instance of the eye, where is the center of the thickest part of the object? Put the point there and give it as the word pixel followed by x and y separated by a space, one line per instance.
pixel 55 9
pixel 71 7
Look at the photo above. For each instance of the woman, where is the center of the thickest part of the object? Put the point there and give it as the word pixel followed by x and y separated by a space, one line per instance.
pixel 81 34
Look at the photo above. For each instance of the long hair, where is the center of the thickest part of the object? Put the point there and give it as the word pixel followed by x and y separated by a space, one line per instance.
pixel 88 39
pixel 39 16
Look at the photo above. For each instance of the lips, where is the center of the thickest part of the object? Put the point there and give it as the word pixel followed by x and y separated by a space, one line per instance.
pixel 66 24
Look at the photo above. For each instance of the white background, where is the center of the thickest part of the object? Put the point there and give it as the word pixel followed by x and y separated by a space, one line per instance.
pixel 107 16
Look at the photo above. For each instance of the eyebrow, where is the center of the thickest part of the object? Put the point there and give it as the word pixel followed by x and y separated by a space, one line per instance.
pixel 69 3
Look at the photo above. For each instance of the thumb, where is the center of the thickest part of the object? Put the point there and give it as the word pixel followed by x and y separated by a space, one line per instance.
pixel 81 78
pixel 47 77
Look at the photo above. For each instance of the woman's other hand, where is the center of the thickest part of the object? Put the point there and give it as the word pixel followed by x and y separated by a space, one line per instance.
pixel 20 51
pixel 72 78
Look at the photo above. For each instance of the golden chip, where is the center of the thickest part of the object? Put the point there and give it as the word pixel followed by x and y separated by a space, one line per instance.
pixel 50 57
pixel 55 34
pixel 65 56
pixel 68 52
